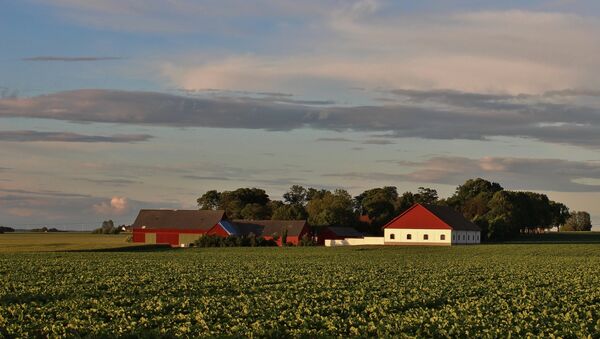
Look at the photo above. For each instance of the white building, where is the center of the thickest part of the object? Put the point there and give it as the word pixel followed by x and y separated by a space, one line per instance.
pixel 432 225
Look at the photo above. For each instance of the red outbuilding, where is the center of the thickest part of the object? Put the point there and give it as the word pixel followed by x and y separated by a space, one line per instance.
pixel 176 227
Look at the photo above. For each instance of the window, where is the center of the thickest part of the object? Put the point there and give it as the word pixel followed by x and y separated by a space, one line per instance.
pixel 468 237
pixel 392 236
pixel 478 237
pixel 443 237
pixel 425 236
pixel 409 236
pixel 463 237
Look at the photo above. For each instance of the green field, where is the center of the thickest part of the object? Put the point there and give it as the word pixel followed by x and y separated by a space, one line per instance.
pixel 60 241
pixel 465 291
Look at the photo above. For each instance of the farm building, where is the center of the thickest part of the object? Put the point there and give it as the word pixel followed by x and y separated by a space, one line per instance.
pixel 270 229
pixel 337 233
pixel 183 227
pixel 425 224
pixel 177 227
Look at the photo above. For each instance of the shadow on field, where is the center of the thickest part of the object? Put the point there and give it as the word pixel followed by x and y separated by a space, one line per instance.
pixel 558 238
pixel 139 248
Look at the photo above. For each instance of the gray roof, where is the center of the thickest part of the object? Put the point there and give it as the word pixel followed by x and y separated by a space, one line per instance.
pixel 270 227
pixel 345 231
pixel 451 217
pixel 201 220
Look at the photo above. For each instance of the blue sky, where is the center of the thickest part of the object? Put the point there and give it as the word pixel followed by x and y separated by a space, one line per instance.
pixel 110 106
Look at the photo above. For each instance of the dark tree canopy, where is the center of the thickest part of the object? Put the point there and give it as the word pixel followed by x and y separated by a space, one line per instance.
pixel 578 221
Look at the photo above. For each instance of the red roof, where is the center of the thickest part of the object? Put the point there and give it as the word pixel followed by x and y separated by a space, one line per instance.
pixel 428 216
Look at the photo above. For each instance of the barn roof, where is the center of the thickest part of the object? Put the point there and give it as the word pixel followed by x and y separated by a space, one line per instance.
pixel 270 227
pixel 345 231
pixel 451 217
pixel 201 220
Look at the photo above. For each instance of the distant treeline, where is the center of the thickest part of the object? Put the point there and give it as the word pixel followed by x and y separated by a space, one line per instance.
pixel 500 213
pixel 4 229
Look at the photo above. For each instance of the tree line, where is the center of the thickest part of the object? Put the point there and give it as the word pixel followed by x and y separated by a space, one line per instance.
pixel 501 214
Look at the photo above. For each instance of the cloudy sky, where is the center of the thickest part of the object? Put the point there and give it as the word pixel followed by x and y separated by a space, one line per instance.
pixel 114 105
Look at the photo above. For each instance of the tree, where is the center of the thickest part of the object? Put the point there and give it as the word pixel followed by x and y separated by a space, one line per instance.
pixel 108 227
pixel 404 202
pixel 255 212
pixel 578 221
pixel 284 237
pixel 331 209
pixel 426 196
pixel 233 202
pixel 289 212
pixel 377 203
pixel 297 195
pixel 560 214
pixel 209 200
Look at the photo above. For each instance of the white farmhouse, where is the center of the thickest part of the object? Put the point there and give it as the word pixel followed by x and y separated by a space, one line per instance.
pixel 432 225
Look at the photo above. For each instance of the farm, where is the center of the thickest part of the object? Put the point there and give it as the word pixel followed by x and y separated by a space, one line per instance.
pixel 489 290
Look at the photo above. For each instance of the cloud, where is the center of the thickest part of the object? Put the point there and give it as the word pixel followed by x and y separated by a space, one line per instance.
pixel 70 59
pixel 333 140
pixel 68 210
pixel 115 206
pixel 378 142
pixel 36 136
pixel 370 44
pixel 549 117
pixel 513 173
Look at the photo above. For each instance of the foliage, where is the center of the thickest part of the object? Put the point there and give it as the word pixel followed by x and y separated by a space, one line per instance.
pixel 108 227
pixel 238 204
pixel 5 229
pixel 578 221
pixel 331 208
pixel 462 292
pixel 46 230
pixel 289 212
pixel 232 241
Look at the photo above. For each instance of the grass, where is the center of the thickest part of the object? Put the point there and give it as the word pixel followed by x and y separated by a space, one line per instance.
pixel 61 241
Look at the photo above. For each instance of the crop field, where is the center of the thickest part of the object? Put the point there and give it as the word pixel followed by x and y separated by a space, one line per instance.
pixel 61 241
pixel 468 291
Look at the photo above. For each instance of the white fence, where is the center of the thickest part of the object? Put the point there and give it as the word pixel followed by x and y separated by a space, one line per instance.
pixel 355 241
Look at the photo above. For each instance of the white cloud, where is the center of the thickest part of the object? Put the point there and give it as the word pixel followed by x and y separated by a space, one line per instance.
pixel 492 52
pixel 116 206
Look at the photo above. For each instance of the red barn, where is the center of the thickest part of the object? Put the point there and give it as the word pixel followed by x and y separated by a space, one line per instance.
pixel 337 233
pixel 425 224
pixel 269 229
pixel 176 227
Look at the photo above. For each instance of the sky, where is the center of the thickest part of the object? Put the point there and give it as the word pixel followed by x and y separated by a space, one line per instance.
pixel 110 106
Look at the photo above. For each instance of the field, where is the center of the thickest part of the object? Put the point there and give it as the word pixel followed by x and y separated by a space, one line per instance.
pixel 61 241
pixel 475 291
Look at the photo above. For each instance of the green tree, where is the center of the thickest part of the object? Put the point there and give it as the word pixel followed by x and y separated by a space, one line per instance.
pixel 426 196
pixel 377 203
pixel 255 211
pixel 233 202
pixel 578 221
pixel 297 195
pixel 210 200
pixel 331 208
pixel 289 212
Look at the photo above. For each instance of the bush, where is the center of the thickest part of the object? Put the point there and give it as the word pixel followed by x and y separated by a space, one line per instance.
pixel 306 241
pixel 108 227
pixel 233 241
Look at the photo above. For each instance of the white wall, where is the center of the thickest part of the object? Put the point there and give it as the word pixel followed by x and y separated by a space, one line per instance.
pixel 355 241
pixel 417 236
pixel 466 237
